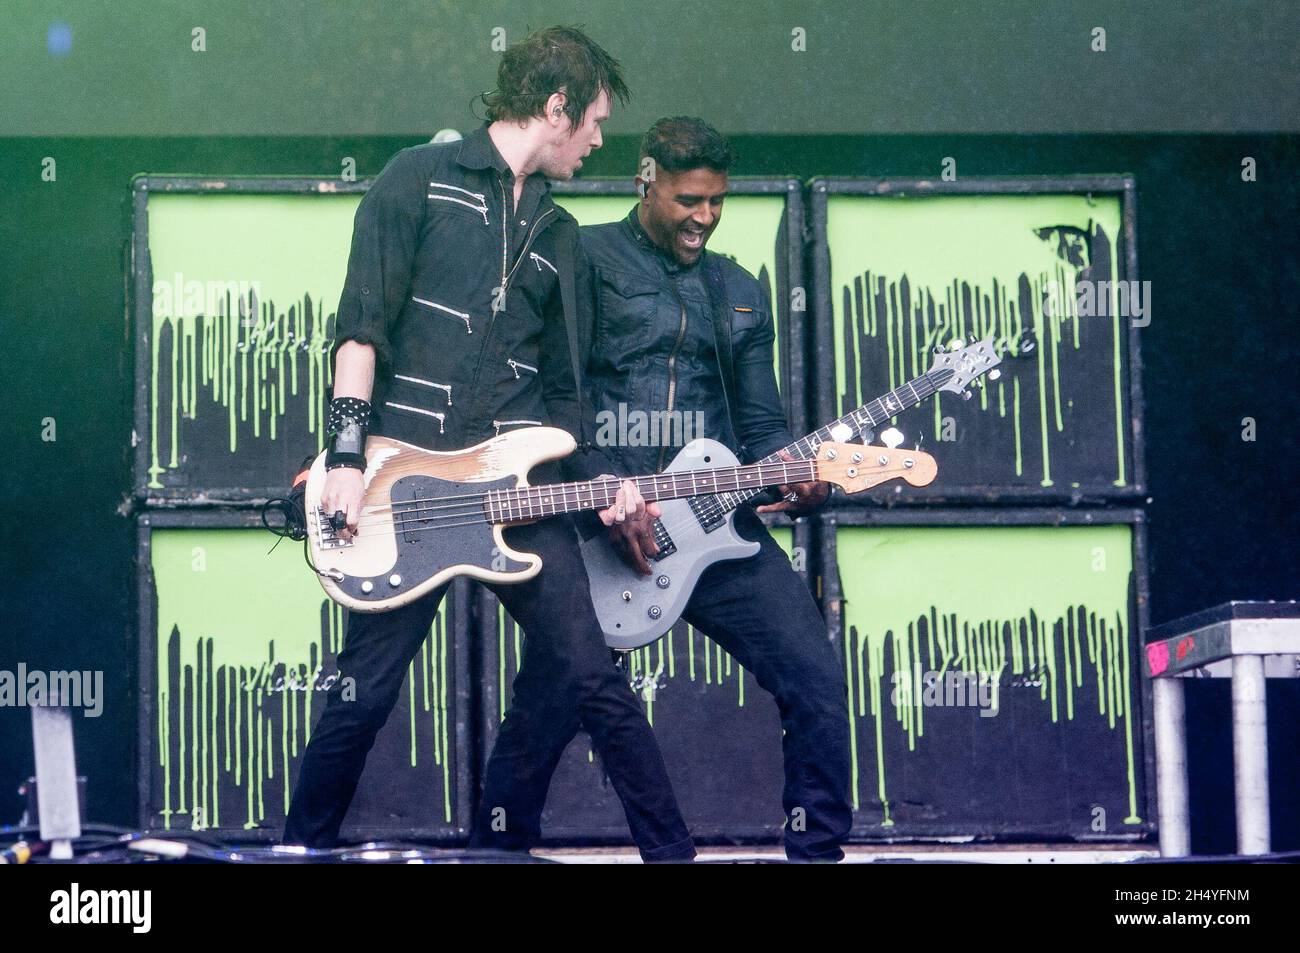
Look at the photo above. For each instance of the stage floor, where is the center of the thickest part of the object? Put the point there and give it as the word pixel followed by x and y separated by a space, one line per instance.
pixel 884 853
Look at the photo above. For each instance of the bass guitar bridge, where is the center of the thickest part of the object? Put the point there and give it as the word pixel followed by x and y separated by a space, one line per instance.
pixel 325 532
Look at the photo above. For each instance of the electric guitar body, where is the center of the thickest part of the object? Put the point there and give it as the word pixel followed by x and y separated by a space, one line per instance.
pixel 692 533
pixel 396 557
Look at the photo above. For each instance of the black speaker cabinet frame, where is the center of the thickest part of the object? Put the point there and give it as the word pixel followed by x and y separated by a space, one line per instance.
pixel 822 333
pixel 488 671
pixel 261 486
pixel 833 602
pixel 457 614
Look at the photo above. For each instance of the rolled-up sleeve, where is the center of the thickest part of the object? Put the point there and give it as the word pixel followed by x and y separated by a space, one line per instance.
pixel 385 234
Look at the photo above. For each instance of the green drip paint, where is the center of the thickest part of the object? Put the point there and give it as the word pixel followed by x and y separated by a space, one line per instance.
pixel 277 243
pixel 1008 629
pixel 228 603
pixel 502 689
pixel 443 735
pixel 690 649
pixel 941 243
pixel 410 706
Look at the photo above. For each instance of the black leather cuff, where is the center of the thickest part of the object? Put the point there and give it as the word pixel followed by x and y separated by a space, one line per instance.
pixel 348 419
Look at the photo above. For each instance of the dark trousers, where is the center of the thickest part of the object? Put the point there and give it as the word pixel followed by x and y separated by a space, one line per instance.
pixel 763 615
pixel 566 673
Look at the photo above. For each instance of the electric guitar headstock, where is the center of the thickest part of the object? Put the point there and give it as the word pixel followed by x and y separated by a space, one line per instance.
pixel 956 368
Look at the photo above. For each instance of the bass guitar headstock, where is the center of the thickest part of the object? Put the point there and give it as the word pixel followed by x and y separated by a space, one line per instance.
pixel 854 467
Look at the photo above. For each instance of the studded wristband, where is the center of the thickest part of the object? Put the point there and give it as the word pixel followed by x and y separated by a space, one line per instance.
pixel 348 419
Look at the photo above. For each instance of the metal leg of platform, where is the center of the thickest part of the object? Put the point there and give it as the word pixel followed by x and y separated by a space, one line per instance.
pixel 1171 767
pixel 1250 753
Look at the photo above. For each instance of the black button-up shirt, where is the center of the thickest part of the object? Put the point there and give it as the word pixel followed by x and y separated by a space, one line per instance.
pixel 458 292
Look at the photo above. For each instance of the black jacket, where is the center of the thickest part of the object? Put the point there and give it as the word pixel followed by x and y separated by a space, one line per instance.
pixel 654 350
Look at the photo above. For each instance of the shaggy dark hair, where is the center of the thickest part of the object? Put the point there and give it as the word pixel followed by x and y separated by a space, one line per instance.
pixel 681 143
pixel 556 59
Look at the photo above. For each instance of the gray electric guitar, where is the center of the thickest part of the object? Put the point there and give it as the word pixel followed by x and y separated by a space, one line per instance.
pixel 696 532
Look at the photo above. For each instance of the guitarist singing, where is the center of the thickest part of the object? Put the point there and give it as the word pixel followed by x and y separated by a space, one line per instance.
pixel 655 350
pixel 453 327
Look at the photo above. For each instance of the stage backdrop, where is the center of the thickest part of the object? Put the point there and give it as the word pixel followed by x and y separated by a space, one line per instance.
pixel 720 733
pixel 235 285
pixel 991 660
pixel 235 282
pixel 1046 267
pixel 238 647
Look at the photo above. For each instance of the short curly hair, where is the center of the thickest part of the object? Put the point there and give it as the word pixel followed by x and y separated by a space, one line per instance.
pixel 555 59
pixel 682 143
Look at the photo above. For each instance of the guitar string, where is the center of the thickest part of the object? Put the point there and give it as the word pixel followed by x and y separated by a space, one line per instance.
pixel 443 523
pixel 473 496
pixel 739 471
pixel 510 504
pixel 477 501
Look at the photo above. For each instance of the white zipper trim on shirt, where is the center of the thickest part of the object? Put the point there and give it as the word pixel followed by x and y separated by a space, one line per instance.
pixel 442 307
pixel 417 380
pixel 456 188
pixel 527 241
pixel 481 209
pixel 505 423
pixel 515 365
pixel 417 410
pixel 505 277
pixel 539 261
pixel 505 214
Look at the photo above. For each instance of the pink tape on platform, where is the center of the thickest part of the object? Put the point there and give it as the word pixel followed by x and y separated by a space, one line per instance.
pixel 1157 657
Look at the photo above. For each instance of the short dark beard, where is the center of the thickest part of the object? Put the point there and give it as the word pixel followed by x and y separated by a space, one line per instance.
pixel 670 248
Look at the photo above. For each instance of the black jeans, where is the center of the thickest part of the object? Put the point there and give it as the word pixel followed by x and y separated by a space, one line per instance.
pixel 763 615
pixel 566 673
